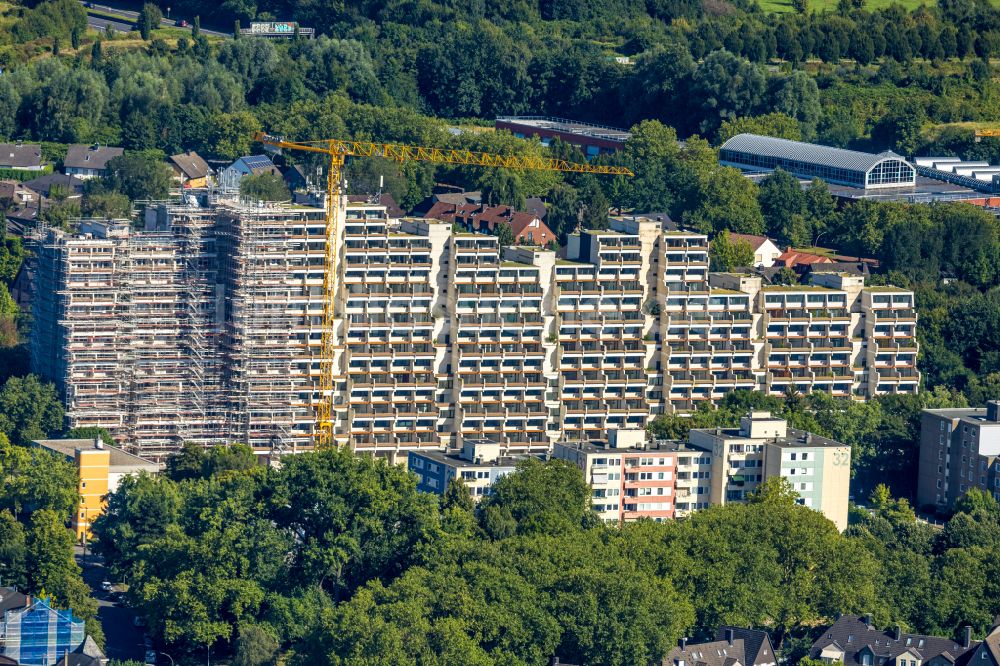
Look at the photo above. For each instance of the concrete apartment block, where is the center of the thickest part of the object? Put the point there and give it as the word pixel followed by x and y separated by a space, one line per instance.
pixel 959 450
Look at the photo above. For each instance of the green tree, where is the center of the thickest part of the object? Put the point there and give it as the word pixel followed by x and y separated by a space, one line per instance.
pixel 256 645
pixel 770 124
pixel 13 552
pixel 728 253
pixel 783 205
pixel 139 176
pixel 149 19
pixel 546 498
pixel 29 409
pixel 504 234
pixel 264 186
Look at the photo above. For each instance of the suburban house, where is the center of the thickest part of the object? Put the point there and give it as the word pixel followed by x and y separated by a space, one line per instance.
pixel 85 161
pixel 855 641
pixel 295 177
pixel 21 156
pixel 16 193
pixel 733 646
pixel 53 185
pixel 36 634
pixel 792 258
pixel 250 165
pixel 528 228
pixel 765 252
pixel 190 170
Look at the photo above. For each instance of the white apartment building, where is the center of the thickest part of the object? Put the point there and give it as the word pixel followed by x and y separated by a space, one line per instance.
pixel 207 325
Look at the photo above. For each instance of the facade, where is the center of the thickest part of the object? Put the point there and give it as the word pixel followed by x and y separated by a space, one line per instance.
pixel 100 469
pixel 21 156
pixel 478 465
pixel 206 325
pixel 959 451
pixel 855 641
pixel 278 30
pixel 592 139
pixel 818 469
pixel 733 646
pixel 85 161
pixel 33 633
pixel 806 160
pixel 251 165
pixel 632 479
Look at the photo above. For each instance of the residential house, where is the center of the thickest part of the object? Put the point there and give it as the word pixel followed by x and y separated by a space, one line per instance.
pixel 765 252
pixel 449 195
pixel 33 633
pixel 190 170
pixel 855 641
pixel 16 193
pixel 85 161
pixel 792 258
pixel 733 646
pixel 21 156
pixel 229 179
pixel 100 468
pixel 57 185
pixel 295 177
pixel 528 228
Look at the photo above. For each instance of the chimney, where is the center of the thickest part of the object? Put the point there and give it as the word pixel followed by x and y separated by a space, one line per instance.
pixel 966 636
pixel 896 632
pixel 729 636
pixel 98 442
pixel 682 643
pixel 867 619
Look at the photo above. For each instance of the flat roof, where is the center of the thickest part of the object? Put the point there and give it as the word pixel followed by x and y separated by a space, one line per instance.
pixel 119 458
pixel 925 189
pixel 794 438
pixel 660 445
pixel 569 127
pixel 455 460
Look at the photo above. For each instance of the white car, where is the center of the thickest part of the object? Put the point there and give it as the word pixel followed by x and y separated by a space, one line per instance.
pixel 107 586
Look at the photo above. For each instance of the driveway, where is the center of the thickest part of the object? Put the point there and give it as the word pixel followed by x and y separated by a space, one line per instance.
pixel 122 640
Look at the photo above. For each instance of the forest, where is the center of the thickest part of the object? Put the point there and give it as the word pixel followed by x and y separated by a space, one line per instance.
pixel 338 559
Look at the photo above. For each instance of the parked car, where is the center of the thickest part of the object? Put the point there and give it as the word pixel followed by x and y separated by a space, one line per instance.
pixel 106 586
pixel 181 23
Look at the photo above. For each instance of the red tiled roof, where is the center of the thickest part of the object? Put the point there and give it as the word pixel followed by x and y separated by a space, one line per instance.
pixel 755 241
pixel 791 258
pixel 442 211
pixel 527 227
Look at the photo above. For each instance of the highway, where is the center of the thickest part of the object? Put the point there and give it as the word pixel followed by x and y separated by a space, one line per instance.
pixel 127 19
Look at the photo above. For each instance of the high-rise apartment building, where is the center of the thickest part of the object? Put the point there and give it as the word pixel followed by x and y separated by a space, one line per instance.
pixel 206 325
pixel 959 451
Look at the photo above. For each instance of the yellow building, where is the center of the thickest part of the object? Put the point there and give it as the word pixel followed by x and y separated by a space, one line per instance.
pixel 100 468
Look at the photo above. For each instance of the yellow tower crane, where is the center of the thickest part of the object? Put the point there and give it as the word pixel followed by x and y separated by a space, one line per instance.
pixel 338 150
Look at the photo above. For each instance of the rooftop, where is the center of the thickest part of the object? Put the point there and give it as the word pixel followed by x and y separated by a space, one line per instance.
pixel 119 458
pixel 20 155
pixel 809 153
pixel 454 459
pixel 664 445
pixel 569 127
pixel 81 156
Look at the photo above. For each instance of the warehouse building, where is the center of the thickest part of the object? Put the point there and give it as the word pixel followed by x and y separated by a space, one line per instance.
pixel 592 139
pixel 807 160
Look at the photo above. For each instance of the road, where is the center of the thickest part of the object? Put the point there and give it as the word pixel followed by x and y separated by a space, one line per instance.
pixel 127 19
pixel 122 639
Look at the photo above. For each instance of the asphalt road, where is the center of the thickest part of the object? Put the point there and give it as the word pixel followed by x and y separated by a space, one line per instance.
pixel 128 18
pixel 122 639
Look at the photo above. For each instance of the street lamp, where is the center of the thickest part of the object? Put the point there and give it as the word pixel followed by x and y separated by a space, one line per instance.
pixel 168 11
